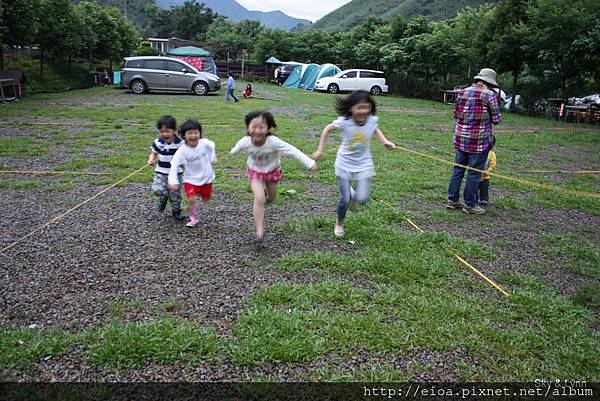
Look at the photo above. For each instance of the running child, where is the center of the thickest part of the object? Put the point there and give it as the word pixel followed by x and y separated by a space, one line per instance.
pixel 197 157
pixel 357 124
pixel 264 164
pixel 163 149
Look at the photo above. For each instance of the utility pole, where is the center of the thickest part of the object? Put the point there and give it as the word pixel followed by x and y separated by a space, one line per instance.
pixel 125 3
pixel 244 52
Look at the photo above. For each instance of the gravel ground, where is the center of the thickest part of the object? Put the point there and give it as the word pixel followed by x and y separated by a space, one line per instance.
pixel 113 249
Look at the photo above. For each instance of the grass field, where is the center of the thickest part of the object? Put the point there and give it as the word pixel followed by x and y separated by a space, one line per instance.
pixel 114 292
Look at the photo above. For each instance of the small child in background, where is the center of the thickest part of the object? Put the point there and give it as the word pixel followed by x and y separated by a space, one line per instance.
pixel 197 156
pixel 264 165
pixel 248 91
pixel 484 185
pixel 231 89
pixel 163 149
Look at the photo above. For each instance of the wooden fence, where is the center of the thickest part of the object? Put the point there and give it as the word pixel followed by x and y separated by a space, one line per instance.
pixel 251 71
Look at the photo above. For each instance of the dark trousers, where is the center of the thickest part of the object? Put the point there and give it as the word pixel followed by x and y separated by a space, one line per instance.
pixel 475 160
pixel 484 190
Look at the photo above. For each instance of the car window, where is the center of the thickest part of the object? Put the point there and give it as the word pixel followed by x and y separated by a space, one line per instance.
pixel 175 66
pixel 367 74
pixel 154 64
pixel 135 64
pixel 351 74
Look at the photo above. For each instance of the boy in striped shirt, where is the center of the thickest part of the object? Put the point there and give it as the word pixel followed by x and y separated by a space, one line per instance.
pixel 163 149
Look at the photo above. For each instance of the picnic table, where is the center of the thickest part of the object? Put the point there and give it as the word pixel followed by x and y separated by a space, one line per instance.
pixel 449 96
pixel 585 112
pixel 3 83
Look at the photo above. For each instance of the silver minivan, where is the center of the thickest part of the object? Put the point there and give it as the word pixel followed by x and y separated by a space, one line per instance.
pixel 141 74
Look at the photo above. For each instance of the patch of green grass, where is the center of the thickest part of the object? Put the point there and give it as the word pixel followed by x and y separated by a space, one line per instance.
pixel 162 341
pixel 24 347
pixel 577 254
pixel 172 306
pixel 23 146
pixel 508 202
pixel 19 184
pixel 588 295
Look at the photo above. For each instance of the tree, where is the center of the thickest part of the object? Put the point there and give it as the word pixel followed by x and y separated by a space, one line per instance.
pixel 191 20
pixel 88 13
pixel 52 33
pixel 19 24
pixel 506 41
pixel 562 38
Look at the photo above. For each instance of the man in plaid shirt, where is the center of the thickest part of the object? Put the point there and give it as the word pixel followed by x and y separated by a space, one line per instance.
pixel 476 110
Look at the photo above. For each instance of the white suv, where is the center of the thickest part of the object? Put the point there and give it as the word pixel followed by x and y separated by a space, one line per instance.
pixel 351 80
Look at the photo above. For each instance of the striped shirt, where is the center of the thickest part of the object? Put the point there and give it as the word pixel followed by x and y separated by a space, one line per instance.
pixel 476 110
pixel 165 153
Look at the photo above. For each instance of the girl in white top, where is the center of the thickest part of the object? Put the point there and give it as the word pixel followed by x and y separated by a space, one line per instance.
pixel 264 166
pixel 358 124
pixel 197 157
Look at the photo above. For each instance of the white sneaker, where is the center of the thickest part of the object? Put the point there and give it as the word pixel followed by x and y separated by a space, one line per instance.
pixel 338 233
pixel 192 223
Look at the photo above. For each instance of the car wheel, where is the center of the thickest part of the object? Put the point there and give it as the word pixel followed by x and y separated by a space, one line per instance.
pixel 200 88
pixel 333 88
pixel 138 87
pixel 376 91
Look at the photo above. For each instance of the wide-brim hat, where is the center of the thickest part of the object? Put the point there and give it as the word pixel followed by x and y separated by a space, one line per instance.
pixel 487 75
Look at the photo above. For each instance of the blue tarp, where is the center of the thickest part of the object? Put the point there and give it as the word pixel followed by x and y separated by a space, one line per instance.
pixel 273 60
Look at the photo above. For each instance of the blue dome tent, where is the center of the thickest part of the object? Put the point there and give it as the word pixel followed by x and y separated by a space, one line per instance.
pixel 305 76
pixel 311 70
pixel 324 70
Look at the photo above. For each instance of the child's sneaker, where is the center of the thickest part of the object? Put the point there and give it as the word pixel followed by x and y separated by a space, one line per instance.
pixel 162 204
pixel 179 215
pixel 476 209
pixel 192 223
pixel 454 205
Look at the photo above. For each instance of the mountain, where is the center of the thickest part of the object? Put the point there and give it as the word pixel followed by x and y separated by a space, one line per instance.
pixel 356 12
pixel 236 12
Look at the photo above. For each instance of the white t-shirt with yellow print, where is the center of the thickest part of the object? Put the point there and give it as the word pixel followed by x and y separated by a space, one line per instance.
pixel 354 155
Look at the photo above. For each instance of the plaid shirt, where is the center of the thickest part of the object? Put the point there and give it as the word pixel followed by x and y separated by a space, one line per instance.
pixel 476 109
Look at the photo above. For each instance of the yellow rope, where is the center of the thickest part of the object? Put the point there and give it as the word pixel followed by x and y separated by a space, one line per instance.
pixel 71 210
pixel 519 180
pixel 456 255
pixel 33 172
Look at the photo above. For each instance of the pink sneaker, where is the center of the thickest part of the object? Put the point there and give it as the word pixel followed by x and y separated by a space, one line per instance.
pixel 193 213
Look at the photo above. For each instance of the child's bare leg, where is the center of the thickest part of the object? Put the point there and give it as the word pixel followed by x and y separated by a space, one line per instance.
pixel 271 191
pixel 258 209
pixel 192 211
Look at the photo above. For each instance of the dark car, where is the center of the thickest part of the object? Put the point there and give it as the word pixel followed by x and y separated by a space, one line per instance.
pixel 283 72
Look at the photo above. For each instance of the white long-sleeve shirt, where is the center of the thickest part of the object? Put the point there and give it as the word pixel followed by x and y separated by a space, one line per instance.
pixel 196 162
pixel 265 158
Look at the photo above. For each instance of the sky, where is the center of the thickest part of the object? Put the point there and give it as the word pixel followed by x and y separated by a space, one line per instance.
pixel 307 9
